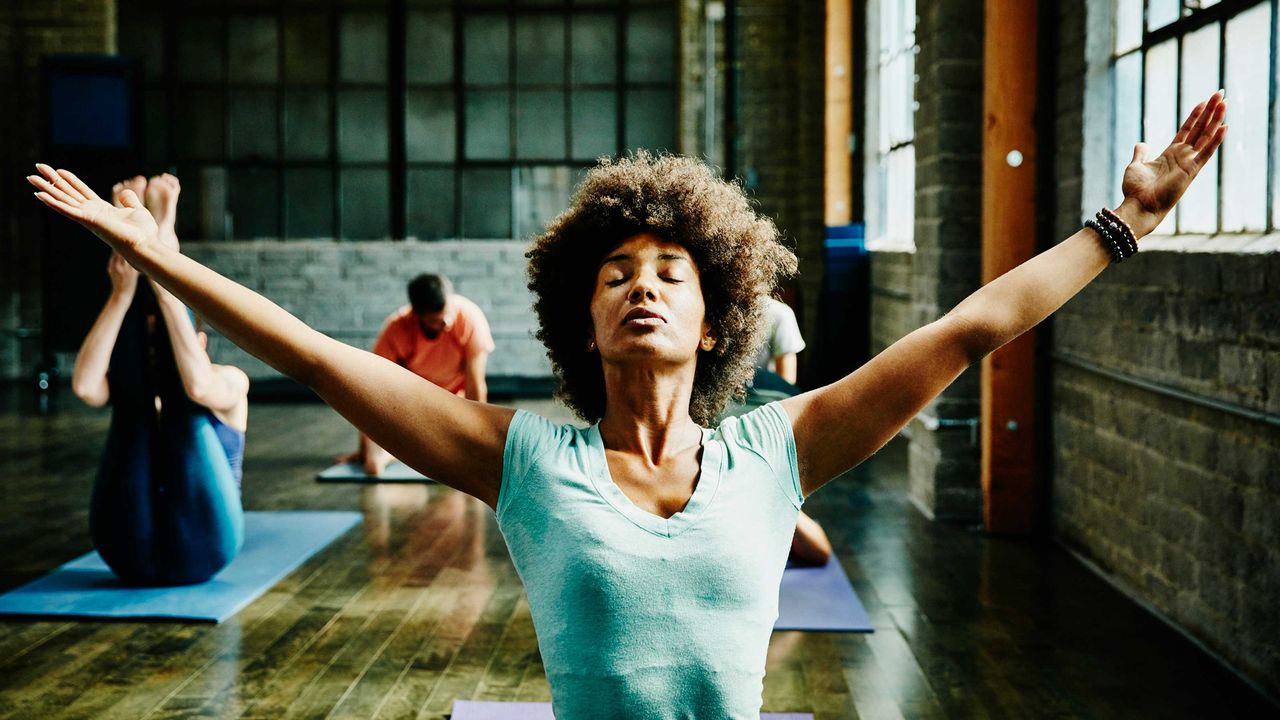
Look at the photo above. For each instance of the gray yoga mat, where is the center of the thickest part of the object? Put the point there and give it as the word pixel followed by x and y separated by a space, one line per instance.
pixel 275 543
pixel 484 710
pixel 820 599
pixel 396 472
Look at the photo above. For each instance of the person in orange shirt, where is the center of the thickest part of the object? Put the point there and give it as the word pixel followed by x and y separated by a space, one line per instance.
pixel 440 336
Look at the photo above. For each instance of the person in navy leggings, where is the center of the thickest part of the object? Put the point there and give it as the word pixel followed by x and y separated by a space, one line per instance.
pixel 166 505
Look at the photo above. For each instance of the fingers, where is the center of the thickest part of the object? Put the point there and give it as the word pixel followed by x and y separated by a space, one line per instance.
pixel 1207 137
pixel 1199 128
pixel 71 211
pixel 60 182
pixel 1184 132
pixel 1206 154
pixel 47 187
pixel 1139 153
pixel 130 199
pixel 78 184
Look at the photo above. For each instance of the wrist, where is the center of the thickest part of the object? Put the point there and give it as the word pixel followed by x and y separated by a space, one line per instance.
pixel 1142 222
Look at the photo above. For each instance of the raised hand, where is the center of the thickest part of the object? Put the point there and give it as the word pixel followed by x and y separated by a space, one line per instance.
pixel 1154 186
pixel 127 228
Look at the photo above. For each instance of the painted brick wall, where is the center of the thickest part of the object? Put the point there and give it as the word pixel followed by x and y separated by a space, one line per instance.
pixel 1175 501
pixel 347 289
pixel 891 315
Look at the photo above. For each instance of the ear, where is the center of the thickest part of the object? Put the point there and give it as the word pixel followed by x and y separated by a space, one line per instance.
pixel 708 341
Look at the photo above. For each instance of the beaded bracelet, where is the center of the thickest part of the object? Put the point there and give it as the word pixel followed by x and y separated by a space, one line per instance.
pixel 1117 239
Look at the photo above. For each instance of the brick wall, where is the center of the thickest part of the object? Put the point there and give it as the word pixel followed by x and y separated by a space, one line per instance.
pixel 30 29
pixel 1161 479
pixel 944 471
pixel 347 289
pixel 891 315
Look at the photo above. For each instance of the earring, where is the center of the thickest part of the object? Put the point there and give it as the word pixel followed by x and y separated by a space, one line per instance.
pixel 708 343
pixel 591 346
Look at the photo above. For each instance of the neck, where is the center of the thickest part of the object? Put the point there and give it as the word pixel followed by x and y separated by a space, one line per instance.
pixel 647 412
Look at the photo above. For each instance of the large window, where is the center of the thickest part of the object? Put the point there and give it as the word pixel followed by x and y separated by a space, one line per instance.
pixel 891 176
pixel 1170 54
pixel 419 119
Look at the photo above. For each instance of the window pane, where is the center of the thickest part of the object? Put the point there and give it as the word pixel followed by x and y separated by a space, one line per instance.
pixel 366 208
pixel 595 124
pixel 651 35
pixel 198 128
pixel 1244 169
pixel 254 202
pixel 306 125
pixel 595 48
pixel 156 132
pixel 650 120
pixel 901 194
pixel 306 48
pixel 1198 209
pixel 486 203
pixel 308 203
pixel 362 39
pixel 1128 25
pixel 429 205
pixel 252 49
pixel 541 194
pixel 1160 105
pixel 488 125
pixel 200 51
pixel 487 44
pixel 1162 12
pixel 429 47
pixel 202 214
pixel 540 125
pixel 362 125
pixel 142 36
pixel 540 49
pixel 252 124
pixel 1128 114
pixel 430 126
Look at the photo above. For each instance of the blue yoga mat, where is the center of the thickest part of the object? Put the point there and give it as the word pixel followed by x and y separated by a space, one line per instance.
pixel 481 710
pixel 820 599
pixel 396 472
pixel 275 543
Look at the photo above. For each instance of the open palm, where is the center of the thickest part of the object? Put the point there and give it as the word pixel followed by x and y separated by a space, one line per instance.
pixel 127 227
pixel 1157 184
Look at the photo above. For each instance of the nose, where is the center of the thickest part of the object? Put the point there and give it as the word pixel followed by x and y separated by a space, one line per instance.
pixel 642 289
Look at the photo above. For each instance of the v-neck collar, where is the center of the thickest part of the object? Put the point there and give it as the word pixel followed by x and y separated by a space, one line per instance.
pixel 703 493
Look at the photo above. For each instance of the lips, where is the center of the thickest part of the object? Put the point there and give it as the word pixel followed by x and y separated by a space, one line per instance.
pixel 643 316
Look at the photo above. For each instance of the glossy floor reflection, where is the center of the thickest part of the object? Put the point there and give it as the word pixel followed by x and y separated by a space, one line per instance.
pixel 421 605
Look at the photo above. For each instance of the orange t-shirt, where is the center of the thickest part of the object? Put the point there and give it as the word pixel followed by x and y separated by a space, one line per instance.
pixel 443 359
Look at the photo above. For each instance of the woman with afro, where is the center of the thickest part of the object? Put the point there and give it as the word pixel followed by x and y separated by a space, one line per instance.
pixel 651 545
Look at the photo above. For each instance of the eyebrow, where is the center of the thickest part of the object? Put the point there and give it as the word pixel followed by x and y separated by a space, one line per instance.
pixel 623 257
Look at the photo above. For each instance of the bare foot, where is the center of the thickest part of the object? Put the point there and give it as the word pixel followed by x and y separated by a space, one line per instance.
pixel 137 184
pixel 162 201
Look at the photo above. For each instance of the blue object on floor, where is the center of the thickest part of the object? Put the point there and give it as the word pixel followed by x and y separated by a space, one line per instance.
pixel 820 599
pixel 487 710
pixel 396 472
pixel 275 544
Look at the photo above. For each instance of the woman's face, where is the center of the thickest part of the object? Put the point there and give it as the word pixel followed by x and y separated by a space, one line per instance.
pixel 647 302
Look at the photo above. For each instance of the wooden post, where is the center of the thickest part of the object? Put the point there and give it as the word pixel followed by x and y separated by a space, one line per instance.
pixel 1008 239
pixel 837 166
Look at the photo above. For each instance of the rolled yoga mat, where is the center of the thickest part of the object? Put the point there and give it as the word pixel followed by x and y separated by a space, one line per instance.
pixel 276 543
pixel 820 599
pixel 396 472
pixel 483 710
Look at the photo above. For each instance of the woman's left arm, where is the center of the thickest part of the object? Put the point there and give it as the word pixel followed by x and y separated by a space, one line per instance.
pixel 840 425
pixel 203 383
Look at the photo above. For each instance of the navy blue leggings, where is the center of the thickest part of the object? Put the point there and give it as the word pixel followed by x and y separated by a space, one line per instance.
pixel 165 507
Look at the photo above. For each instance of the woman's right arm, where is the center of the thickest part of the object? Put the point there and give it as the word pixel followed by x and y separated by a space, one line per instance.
pixel 453 441
pixel 89 379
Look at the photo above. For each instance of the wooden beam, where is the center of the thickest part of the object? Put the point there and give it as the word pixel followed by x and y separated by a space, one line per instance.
pixel 838 170
pixel 1008 239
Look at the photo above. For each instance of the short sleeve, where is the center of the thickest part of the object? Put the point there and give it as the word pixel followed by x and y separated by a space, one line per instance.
pixel 767 432
pixel 473 330
pixel 388 339
pixel 786 334
pixel 528 437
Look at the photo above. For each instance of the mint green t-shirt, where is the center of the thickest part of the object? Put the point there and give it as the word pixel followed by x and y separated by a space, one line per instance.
pixel 644 617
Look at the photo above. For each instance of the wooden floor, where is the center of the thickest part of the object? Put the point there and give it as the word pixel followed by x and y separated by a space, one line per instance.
pixel 421 605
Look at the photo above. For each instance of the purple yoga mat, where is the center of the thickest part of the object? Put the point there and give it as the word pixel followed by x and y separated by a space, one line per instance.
pixel 481 710
pixel 820 600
